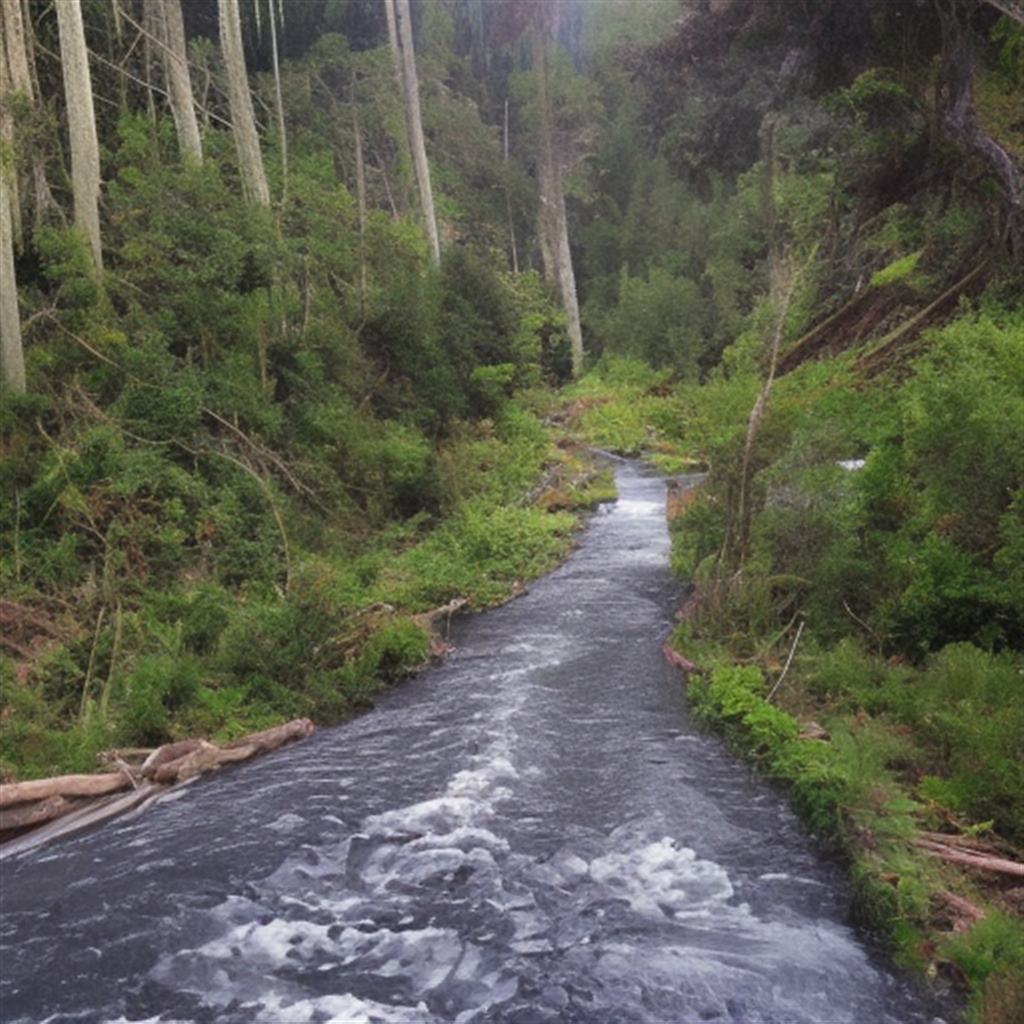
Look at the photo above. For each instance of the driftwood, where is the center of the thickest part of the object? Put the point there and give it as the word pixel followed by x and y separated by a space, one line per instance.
pixel 85 814
pixel 949 851
pixel 673 657
pixel 204 759
pixel 54 807
pixel 134 756
pixel 811 730
pixel 989 845
pixel 431 622
pixel 34 813
pixel 63 785
pixel 176 762
pixel 167 753
pixel 279 735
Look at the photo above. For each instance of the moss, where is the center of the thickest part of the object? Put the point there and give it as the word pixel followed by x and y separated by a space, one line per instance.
pixel 898 270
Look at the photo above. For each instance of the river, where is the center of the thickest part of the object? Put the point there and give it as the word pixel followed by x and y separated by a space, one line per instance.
pixel 532 831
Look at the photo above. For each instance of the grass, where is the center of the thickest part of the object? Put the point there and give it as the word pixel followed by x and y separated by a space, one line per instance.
pixel 201 656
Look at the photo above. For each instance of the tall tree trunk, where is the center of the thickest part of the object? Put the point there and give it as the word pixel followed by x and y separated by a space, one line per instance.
pixel 17 44
pixel 11 359
pixel 150 31
pixel 85 149
pixel 552 222
pixel 282 136
pixel 508 200
pixel 11 48
pixel 392 19
pixel 360 196
pixel 171 25
pixel 405 57
pixel 243 120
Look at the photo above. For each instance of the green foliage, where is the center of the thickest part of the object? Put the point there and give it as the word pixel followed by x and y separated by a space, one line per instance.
pixel 657 319
pixel 899 270
pixel 991 954
pixel 625 407
pixel 479 552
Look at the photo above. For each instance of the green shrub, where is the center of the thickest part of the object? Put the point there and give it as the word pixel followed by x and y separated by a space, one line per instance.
pixel 156 689
pixel 394 650
pixel 975 724
pixel 991 955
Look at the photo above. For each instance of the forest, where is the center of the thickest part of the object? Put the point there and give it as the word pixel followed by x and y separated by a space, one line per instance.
pixel 315 313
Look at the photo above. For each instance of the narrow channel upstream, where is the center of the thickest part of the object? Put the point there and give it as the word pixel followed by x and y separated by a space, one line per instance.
pixel 533 831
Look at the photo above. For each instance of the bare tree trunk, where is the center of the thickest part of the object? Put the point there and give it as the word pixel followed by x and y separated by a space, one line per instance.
pixel 360 196
pixel 405 58
pixel 783 283
pixel 283 138
pixel 85 149
pixel 392 19
pixel 11 356
pixel 170 24
pixel 17 42
pixel 508 201
pixel 151 30
pixel 11 49
pixel 553 224
pixel 243 120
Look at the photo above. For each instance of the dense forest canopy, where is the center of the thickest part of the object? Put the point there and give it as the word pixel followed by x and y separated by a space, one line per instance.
pixel 287 290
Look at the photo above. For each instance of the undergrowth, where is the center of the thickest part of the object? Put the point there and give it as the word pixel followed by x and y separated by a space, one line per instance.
pixel 867 650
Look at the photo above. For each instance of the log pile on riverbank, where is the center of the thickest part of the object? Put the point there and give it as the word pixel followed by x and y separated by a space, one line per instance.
pixel 132 777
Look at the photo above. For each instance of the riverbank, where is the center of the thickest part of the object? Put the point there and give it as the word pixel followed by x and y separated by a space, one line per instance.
pixel 536 826
pixel 863 651
pixel 161 660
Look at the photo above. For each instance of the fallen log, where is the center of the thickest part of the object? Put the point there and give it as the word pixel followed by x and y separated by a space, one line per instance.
pixel 206 759
pixel 81 817
pixel 167 753
pixel 279 735
pixel 673 657
pixel 192 762
pixel 979 862
pixel 134 756
pixel 35 813
pixel 196 757
pixel 965 914
pixel 54 807
pixel 973 844
pixel 12 793
pixel 430 623
pixel 811 730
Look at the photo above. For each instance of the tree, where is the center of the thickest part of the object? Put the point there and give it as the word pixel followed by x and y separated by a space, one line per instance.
pixel 552 222
pixel 17 53
pixel 85 149
pixel 283 137
pixel 11 357
pixel 171 26
pixel 400 36
pixel 243 120
pixel 960 121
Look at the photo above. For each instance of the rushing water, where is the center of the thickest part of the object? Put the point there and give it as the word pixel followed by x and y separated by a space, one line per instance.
pixel 533 831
